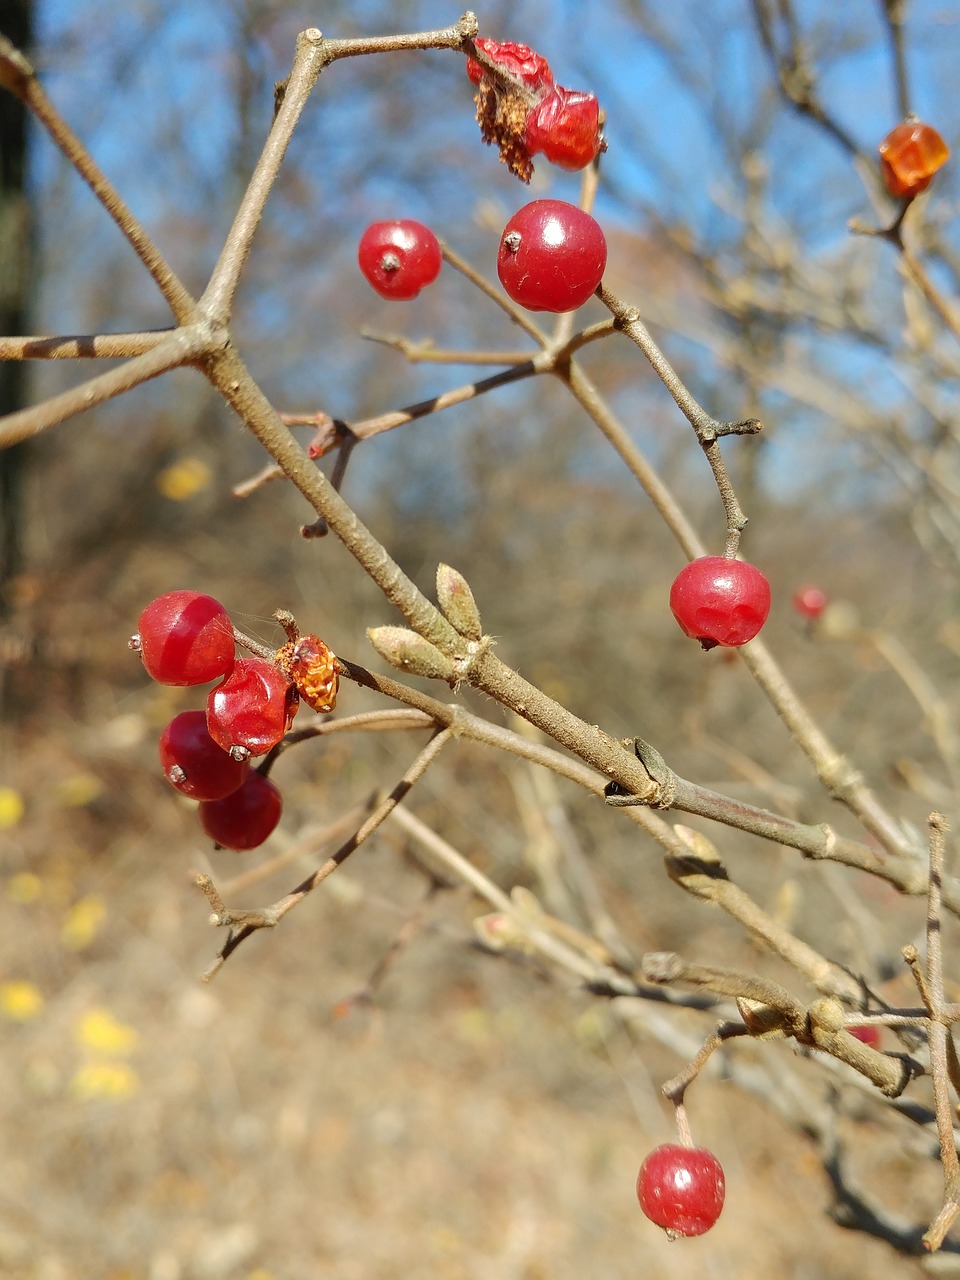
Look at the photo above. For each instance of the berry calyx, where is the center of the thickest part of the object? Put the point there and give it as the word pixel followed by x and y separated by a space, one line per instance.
pixel 185 638
pixel 399 258
pixel 552 256
pixel 251 710
pixel 810 601
pixel 681 1189
pixel 719 601
pixel 565 127
pixel 312 668
pixel 194 764
pixel 910 155
pixel 244 819
pixel 514 61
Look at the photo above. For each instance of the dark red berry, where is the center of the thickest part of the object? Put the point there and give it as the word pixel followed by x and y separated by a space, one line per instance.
pixel 185 638
pixel 681 1189
pixel 810 602
pixel 565 127
pixel 399 258
pixel 720 601
pixel 910 155
pixel 251 710
pixel 518 61
pixel 552 256
pixel 194 764
pixel 244 819
pixel 868 1035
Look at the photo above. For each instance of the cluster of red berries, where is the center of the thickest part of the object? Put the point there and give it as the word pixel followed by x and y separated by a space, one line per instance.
pixel 910 155
pixel 187 638
pixel 520 107
pixel 552 257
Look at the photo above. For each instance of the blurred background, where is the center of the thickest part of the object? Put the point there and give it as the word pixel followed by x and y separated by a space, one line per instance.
pixel 365 1092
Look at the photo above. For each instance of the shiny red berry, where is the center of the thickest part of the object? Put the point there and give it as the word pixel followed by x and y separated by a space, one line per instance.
pixel 518 61
pixel 681 1189
pixel 251 710
pixel 810 601
pixel 194 764
pixel 564 126
pixel 399 258
pixel 244 819
pixel 910 155
pixel 552 256
pixel 185 638
pixel 720 601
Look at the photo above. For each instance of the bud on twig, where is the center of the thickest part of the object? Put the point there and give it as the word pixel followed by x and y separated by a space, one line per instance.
pixel 407 651
pixel 457 602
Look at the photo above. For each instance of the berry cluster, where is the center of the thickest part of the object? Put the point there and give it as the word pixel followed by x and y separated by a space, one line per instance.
pixel 522 109
pixel 187 638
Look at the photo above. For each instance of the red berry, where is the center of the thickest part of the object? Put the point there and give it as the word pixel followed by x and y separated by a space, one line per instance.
pixel 399 258
pixel 720 601
pixel 565 126
pixel 251 710
pixel 681 1189
pixel 194 764
pixel 516 60
pixel 869 1035
pixel 244 819
pixel 810 602
pixel 552 256
pixel 185 637
pixel 910 155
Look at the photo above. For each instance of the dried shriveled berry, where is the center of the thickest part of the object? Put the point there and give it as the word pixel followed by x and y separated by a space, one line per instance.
pixel 251 710
pixel 516 61
pixel 244 819
pixel 565 127
pixel 910 155
pixel 313 669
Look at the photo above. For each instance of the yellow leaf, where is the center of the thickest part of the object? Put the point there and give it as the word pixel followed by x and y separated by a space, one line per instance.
pixel 24 887
pixel 83 922
pixel 184 478
pixel 104 1080
pixel 20 1001
pixel 11 808
pixel 99 1031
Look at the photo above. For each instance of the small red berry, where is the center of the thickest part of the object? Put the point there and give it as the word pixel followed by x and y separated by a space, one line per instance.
pixel 868 1035
pixel 194 764
pixel 519 61
pixel 720 601
pixel 681 1189
pixel 552 256
pixel 251 710
pixel 910 155
pixel 244 819
pixel 565 127
pixel 399 258
pixel 810 602
pixel 185 638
